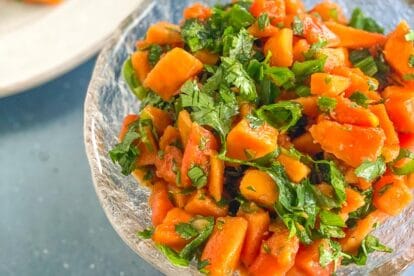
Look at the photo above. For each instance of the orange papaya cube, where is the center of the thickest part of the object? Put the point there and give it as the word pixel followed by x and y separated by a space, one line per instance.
pixel 245 142
pixel 325 84
pixel 281 47
pixel 259 187
pixel 202 204
pixel 167 84
pixel 295 169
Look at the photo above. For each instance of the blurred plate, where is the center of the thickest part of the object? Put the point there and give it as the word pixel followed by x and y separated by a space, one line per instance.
pixel 38 43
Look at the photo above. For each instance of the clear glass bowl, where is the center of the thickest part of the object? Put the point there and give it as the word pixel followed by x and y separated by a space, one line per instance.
pixel 108 101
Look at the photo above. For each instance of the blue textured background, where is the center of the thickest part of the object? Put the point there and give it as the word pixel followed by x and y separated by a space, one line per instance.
pixel 50 219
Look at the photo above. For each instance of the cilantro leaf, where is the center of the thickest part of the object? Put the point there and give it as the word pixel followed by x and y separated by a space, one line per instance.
pixel 359 98
pixel 195 34
pixel 186 230
pixel 408 167
pixel 146 233
pixel 197 176
pixel 297 26
pixel 234 74
pixel 263 21
pixel 331 254
pixel 154 53
pixel 326 104
pixel 239 17
pixel 239 47
pixel 330 173
pixel 408 77
pixel 371 170
pixel 360 21
pixel 126 152
pixel 411 61
pixel 369 245
pixel 204 226
pixel 304 69
pixel 173 256
pixel 311 53
pixel 331 219
pixel 281 115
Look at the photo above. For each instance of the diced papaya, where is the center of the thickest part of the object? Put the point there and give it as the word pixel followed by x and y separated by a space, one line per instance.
pixel 258 224
pixel 147 149
pixel 183 64
pixel 178 196
pixel 128 120
pixel 281 47
pixel 141 65
pixel 392 144
pixel 335 57
pixel 354 201
pixel 275 9
pixel 355 38
pixel 165 233
pixel 159 202
pixel 309 105
pixel 245 142
pixel 202 204
pixel 206 57
pixel 307 260
pixel 267 31
pixel 348 112
pixel 160 118
pixel 259 187
pixel 277 255
pixel 198 11
pixel 295 169
pixel 306 144
pixel 355 236
pixel 197 152
pixel 328 85
pixel 315 30
pixel 391 195
pixel 224 246
pixel 184 125
pixel 299 48
pixel 399 102
pixel 352 144
pixel 330 11
pixel 294 7
pixel 398 50
pixel 170 137
pixel 168 164
pixel 163 33
pixel 216 176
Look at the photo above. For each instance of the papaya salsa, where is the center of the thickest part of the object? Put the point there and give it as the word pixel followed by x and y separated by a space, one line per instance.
pixel 274 139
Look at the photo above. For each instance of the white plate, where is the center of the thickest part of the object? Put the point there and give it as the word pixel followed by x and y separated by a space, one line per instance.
pixel 38 43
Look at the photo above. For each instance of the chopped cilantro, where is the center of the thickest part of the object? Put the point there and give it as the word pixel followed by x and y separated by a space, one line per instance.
pixel 359 98
pixel 360 21
pixel 411 61
pixel 369 245
pixel 197 176
pixel 263 21
pixel 186 230
pixel 146 233
pixel 154 53
pixel 370 170
pixel 326 104
pixel 281 115
pixel 297 26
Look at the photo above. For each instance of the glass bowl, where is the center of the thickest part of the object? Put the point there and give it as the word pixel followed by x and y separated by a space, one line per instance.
pixel 125 202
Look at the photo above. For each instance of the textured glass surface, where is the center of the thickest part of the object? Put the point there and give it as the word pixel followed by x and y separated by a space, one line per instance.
pixel 125 202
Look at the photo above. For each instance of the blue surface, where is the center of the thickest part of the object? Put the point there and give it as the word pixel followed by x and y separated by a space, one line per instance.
pixel 50 219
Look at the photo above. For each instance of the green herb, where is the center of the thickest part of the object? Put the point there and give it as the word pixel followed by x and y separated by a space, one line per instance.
pixel 197 176
pixel 408 77
pixel 154 53
pixel 253 121
pixel 263 21
pixel 331 254
pixel 130 78
pixel 360 99
pixel 238 47
pixel 369 245
pixel 237 76
pixel 201 266
pixel 126 152
pixel 384 189
pixel 146 233
pixel 173 256
pixel 302 91
pixel 149 174
pixel 331 219
pixel 186 230
pixel 409 36
pixel 266 248
pixel 195 34
pixel 408 167
pixel 297 26
pixel 313 50
pixel 326 104
pixel 371 170
pixel 239 17
pixel 330 173
pixel 251 188
pixel 280 75
pixel 281 115
pixel 411 61
pixel 364 210
pixel 304 69
pixel 204 232
pixel 368 66
pixel 360 21
pixel 328 231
